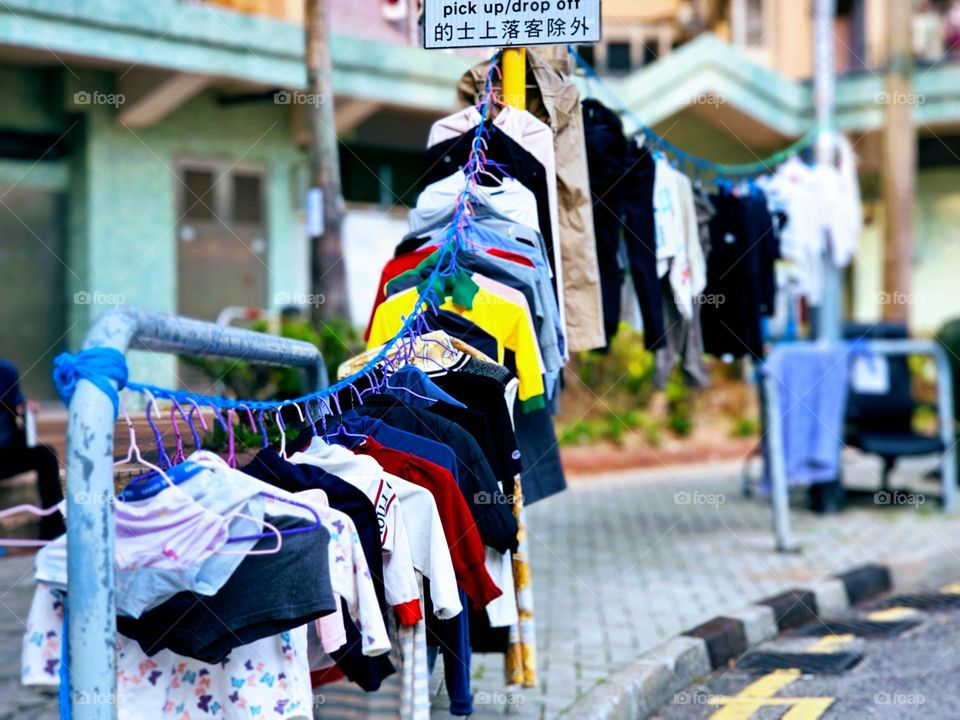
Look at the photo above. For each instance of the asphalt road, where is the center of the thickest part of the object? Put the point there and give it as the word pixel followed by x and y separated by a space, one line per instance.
pixel 913 675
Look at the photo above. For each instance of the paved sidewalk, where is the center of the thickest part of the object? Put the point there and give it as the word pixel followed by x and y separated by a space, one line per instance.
pixel 624 561
pixel 620 562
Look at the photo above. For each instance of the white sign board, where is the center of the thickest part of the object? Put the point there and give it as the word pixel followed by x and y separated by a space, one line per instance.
pixel 506 23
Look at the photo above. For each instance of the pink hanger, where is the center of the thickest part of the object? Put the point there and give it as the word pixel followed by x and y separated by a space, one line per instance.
pixel 33 510
pixel 133 454
pixel 178 456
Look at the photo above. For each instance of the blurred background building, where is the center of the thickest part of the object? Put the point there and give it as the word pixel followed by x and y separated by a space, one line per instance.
pixel 155 153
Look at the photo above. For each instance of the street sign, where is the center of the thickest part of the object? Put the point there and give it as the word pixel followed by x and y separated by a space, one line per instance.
pixel 509 23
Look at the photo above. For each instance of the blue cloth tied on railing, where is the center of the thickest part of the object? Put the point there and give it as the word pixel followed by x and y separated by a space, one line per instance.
pixel 98 365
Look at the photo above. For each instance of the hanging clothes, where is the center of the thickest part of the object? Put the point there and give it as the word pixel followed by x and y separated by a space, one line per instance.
pixel 555 100
pixel 534 136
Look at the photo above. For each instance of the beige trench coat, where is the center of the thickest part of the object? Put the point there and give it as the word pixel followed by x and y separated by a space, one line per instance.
pixel 553 99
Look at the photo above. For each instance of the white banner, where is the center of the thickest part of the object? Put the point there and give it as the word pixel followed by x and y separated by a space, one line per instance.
pixel 508 23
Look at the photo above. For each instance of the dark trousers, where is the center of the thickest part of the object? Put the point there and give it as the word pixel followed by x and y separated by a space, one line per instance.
pixel 43 461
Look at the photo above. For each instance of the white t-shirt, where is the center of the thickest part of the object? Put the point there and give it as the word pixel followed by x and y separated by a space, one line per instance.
pixel 366 474
pixel 511 198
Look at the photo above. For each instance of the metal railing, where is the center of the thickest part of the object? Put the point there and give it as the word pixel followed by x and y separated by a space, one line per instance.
pixel 777 471
pixel 91 606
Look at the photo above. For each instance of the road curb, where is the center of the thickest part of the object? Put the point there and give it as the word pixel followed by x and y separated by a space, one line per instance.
pixel 637 690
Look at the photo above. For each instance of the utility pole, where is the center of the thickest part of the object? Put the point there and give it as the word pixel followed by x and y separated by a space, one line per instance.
pixel 324 200
pixel 899 163
pixel 830 312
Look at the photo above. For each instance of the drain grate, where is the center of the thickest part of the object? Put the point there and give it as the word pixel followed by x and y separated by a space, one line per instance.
pixel 813 663
pixel 924 601
pixel 860 628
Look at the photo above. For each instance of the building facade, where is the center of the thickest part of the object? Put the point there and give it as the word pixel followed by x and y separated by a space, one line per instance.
pixel 155 153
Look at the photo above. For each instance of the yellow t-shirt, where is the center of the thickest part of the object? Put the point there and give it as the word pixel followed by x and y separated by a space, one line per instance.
pixel 506 321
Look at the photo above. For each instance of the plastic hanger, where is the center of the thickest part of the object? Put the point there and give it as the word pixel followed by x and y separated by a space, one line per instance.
pixel 208 459
pixel 178 456
pixel 33 510
pixel 410 391
pixel 231 441
pixel 263 429
pixel 283 436
pixel 133 455
pixel 203 423
pixel 341 431
pixel 253 424
pixel 162 456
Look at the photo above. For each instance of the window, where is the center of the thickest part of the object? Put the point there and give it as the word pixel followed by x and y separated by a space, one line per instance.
pixel 618 57
pixel 650 52
pixel 197 197
pixel 586 52
pixel 247 199
pixel 381 175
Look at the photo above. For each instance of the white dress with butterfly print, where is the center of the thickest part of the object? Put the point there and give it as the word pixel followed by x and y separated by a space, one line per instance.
pixel 269 678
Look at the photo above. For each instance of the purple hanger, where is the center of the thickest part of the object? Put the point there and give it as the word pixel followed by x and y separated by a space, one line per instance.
pixel 291 531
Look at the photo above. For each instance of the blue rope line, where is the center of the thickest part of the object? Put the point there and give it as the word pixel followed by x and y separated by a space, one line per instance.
pixel 99 367
pixel 700 164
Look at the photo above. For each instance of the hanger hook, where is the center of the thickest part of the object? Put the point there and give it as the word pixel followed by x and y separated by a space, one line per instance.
pixel 161 452
pixel 253 425
pixel 263 428
pixel 178 456
pixel 203 422
pixel 231 441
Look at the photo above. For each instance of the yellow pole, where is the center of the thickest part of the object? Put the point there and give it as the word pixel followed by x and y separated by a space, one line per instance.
pixel 514 68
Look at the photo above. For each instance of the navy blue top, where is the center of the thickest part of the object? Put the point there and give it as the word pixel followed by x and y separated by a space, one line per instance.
pixel 10 399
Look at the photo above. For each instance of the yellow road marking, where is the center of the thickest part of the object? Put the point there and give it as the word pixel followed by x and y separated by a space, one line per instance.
pixel 828 643
pixel 809 709
pixel 770 685
pixel 892 614
pixel 759 694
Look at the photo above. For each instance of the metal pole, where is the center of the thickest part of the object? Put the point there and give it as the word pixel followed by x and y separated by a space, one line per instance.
pixel 830 314
pixel 514 68
pixel 779 491
pixel 325 200
pixel 91 605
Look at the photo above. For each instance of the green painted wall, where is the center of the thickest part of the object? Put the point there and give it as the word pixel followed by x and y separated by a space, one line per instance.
pixel 933 298
pixel 124 191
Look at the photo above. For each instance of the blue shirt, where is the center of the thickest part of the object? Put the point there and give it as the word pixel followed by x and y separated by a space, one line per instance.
pixel 415 388
pixel 436 452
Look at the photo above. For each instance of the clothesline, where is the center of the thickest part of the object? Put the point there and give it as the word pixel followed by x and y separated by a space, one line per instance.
pixel 699 164
pixel 102 364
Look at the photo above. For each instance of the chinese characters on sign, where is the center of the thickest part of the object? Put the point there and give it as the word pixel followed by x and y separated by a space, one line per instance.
pixel 505 23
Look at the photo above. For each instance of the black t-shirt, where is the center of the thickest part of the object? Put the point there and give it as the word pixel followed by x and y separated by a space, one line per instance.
pixel 266 595
pixel 484 397
pixel 293 477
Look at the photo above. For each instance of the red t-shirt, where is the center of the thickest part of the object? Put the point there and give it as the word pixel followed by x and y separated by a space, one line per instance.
pixel 459 528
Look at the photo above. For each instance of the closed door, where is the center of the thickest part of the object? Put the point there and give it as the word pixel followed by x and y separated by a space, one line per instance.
pixel 221 247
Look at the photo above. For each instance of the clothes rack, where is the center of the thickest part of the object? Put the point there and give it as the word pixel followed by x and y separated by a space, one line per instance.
pixel 779 491
pixel 90 534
